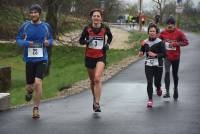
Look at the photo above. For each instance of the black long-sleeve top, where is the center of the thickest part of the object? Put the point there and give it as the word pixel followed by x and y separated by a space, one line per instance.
pixel 95 40
pixel 85 35
pixel 155 46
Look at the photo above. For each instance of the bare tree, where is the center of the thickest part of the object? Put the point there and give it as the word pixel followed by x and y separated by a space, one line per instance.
pixel 112 9
pixel 52 19
pixel 160 4
pixel 169 9
pixel 198 7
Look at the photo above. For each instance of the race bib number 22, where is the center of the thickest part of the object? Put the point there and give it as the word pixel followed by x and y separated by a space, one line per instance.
pixel 35 52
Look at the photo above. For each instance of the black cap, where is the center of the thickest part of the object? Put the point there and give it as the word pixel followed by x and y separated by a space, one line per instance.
pixel 171 20
pixel 36 7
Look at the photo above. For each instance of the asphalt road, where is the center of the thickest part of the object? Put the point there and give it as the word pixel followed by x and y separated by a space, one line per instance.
pixel 123 104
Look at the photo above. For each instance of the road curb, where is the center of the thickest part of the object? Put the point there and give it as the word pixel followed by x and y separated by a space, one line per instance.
pixel 83 85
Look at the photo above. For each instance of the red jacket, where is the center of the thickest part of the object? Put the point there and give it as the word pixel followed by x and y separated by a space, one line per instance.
pixel 173 41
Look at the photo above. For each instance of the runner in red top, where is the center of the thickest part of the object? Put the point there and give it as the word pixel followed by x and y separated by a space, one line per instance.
pixel 94 37
pixel 173 39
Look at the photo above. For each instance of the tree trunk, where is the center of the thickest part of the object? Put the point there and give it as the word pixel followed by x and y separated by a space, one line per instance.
pixel 52 19
pixel 5 79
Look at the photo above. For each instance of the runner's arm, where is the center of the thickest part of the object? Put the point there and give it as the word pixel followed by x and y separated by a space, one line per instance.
pixel 109 34
pixel 142 49
pixel 183 40
pixel 162 53
pixel 20 39
pixel 50 35
pixel 84 37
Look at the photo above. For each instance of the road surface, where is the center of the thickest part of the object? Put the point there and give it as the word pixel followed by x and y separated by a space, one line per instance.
pixel 123 102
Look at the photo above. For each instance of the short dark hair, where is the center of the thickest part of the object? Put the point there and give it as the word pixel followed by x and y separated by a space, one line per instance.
pixel 36 7
pixel 151 26
pixel 96 10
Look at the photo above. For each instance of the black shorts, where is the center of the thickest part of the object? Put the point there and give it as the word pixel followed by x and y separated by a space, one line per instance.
pixel 35 70
pixel 91 62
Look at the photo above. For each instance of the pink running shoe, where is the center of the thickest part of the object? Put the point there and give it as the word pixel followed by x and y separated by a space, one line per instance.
pixel 159 92
pixel 150 104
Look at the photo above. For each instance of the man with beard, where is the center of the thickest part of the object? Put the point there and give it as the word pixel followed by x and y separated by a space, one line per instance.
pixel 173 39
pixel 35 36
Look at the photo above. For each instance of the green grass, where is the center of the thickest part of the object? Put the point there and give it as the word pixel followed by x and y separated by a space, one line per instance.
pixel 70 23
pixel 67 68
pixel 136 37
pixel 10 19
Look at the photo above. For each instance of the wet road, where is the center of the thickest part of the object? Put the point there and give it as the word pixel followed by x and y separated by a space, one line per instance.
pixel 123 104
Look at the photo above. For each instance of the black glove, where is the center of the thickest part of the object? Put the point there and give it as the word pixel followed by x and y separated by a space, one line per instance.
pixel 106 47
pixel 146 47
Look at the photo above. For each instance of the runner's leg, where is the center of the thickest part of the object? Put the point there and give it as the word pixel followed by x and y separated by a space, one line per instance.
pixel 149 77
pixel 38 91
pixel 91 73
pixel 158 79
pixel 97 80
pixel 167 77
pixel 175 68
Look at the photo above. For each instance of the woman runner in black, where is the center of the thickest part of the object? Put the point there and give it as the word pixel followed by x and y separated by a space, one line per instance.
pixel 93 36
pixel 155 52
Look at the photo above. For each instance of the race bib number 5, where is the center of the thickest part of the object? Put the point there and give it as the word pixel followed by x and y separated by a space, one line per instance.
pixel 96 44
pixel 169 47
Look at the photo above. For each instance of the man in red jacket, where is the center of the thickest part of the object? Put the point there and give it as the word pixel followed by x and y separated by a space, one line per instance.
pixel 173 39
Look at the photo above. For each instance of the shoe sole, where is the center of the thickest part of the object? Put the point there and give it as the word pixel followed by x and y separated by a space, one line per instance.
pixel 166 97
pixel 149 106
pixel 36 117
pixel 97 110
pixel 159 93
pixel 175 98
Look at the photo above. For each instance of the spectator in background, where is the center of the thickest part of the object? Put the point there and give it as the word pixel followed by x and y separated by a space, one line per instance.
pixel 142 18
pixel 157 18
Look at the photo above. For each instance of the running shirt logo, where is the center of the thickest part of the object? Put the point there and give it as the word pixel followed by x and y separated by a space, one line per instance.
pixel 36 50
pixel 169 47
pixel 96 43
pixel 151 62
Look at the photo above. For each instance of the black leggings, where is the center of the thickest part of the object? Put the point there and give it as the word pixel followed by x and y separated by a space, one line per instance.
pixel 175 67
pixel 156 73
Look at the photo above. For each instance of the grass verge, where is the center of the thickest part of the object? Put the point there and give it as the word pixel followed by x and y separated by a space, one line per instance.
pixel 67 68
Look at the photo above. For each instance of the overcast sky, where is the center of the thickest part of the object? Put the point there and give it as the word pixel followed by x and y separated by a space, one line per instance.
pixel 148 4
pixel 147 1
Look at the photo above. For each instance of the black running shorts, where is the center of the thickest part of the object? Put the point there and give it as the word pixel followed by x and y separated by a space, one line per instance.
pixel 91 62
pixel 35 70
